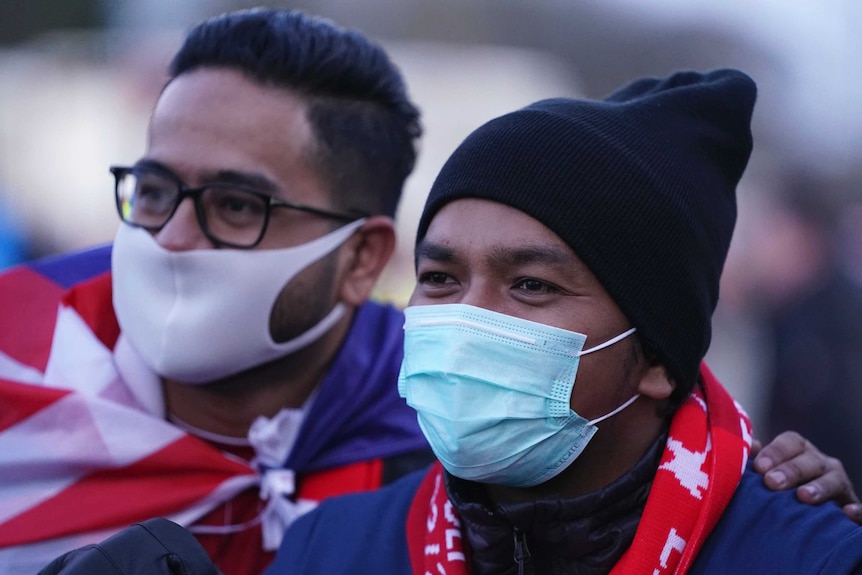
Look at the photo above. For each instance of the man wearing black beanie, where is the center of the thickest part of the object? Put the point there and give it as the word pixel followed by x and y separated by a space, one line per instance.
pixel 567 229
pixel 568 262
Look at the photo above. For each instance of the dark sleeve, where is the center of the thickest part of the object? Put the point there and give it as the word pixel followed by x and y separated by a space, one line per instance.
pixel 153 547
pixel 768 532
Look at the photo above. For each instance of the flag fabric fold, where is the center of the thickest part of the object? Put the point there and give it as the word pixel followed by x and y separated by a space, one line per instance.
pixel 85 451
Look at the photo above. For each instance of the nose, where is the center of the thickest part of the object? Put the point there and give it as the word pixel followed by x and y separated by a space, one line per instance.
pixel 479 300
pixel 183 231
pixel 485 293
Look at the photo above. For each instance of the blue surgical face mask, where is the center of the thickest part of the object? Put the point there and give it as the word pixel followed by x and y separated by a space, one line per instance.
pixel 492 392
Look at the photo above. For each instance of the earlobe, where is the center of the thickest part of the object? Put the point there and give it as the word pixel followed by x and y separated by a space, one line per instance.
pixel 370 251
pixel 656 383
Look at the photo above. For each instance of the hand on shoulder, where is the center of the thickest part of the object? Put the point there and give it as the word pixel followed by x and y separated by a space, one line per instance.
pixel 790 460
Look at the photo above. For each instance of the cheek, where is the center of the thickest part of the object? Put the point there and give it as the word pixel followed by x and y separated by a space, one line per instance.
pixel 605 380
pixel 304 301
pixel 417 297
pixel 587 395
pixel 289 228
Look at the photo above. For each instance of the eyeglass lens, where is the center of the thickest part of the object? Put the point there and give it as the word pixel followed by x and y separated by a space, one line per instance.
pixel 231 215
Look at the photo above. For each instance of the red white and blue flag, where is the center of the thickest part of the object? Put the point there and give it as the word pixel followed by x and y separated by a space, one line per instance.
pixel 80 459
pixel 85 452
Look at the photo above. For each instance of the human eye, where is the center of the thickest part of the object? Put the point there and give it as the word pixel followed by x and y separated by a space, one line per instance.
pixel 234 206
pixel 533 286
pixel 435 283
pixel 153 194
pixel 435 278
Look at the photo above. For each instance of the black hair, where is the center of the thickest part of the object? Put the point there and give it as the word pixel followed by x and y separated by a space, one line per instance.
pixel 360 114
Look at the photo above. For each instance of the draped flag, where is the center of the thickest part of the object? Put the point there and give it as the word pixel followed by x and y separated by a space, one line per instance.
pixel 79 462
pixel 85 447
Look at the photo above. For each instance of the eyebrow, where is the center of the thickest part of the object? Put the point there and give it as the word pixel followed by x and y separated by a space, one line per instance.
pixel 516 256
pixel 532 254
pixel 246 179
pixel 434 252
pixel 256 181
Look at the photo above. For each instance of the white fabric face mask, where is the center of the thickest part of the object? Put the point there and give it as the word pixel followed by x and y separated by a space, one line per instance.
pixel 200 315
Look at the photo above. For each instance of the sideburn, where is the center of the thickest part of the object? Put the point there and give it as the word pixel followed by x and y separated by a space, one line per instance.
pixel 305 300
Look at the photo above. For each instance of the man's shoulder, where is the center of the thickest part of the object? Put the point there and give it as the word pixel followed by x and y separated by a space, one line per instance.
pixel 31 293
pixel 357 533
pixel 71 268
pixel 385 318
pixel 392 497
pixel 375 341
pixel 764 531
pixel 376 331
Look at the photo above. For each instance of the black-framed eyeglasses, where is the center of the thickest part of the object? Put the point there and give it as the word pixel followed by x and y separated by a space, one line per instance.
pixel 229 215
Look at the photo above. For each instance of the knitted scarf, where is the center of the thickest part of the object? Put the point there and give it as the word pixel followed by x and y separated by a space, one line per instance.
pixel 703 460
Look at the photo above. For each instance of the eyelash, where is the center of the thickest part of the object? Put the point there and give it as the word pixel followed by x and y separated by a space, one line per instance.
pixel 426 277
pixel 545 286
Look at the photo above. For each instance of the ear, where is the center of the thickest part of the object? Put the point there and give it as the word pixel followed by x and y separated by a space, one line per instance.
pixel 365 257
pixel 656 383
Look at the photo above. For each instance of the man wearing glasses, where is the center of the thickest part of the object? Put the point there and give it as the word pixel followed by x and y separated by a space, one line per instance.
pixel 229 372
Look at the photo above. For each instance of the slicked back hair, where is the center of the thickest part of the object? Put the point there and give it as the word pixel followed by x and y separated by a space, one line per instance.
pixel 363 121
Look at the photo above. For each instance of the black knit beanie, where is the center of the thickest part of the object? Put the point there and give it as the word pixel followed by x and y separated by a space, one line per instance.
pixel 641 185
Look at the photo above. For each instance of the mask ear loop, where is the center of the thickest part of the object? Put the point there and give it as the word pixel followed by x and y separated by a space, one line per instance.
pixel 630 401
pixel 633 398
pixel 611 341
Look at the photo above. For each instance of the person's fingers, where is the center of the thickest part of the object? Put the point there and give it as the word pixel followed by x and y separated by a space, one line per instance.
pixel 854 512
pixel 822 477
pixel 756 446
pixel 785 447
pixel 790 460
pixel 833 484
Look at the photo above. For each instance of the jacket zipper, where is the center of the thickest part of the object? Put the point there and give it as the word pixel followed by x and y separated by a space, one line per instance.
pixel 522 552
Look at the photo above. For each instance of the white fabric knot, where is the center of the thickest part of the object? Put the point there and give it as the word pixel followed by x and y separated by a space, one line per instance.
pixel 276 488
pixel 273 438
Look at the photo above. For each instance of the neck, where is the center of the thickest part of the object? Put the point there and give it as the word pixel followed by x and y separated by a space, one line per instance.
pixel 229 406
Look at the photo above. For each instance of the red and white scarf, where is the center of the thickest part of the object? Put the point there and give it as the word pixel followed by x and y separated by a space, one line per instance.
pixel 704 458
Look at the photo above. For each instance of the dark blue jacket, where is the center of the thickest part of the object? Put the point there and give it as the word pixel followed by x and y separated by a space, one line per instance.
pixel 762 532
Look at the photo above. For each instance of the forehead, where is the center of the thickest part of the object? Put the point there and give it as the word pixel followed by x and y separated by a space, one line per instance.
pixel 475 224
pixel 216 119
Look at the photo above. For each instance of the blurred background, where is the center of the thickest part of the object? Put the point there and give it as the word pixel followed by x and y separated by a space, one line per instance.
pixel 78 79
